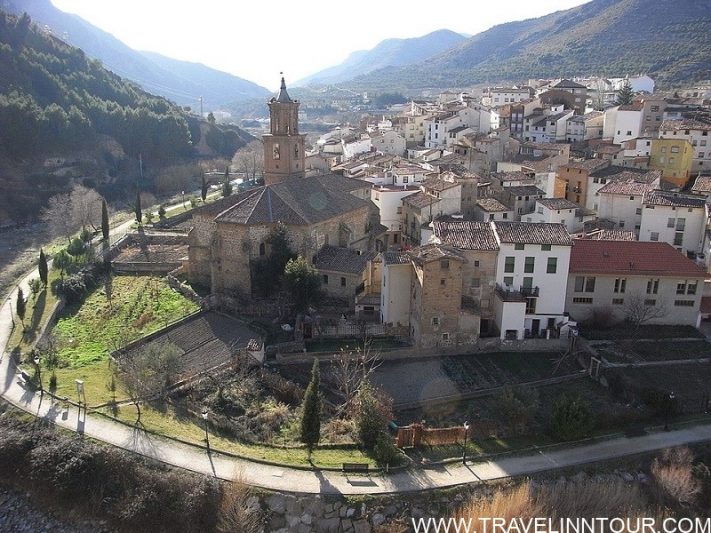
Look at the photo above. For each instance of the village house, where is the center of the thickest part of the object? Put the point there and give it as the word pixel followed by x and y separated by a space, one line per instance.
pixel 702 187
pixel 575 175
pixel 674 157
pixel 388 200
pixel 580 128
pixel 388 142
pixel 530 278
pixel 620 201
pixel 675 218
pixel 437 197
pixel 648 282
pixel 491 208
pixel 342 270
pixel 697 133
pixel 614 173
pixel 560 211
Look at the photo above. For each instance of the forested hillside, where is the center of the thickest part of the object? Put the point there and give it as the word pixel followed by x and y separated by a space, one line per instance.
pixel 55 102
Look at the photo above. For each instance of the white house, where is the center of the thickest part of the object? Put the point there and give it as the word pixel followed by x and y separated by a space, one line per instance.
pixel 531 278
pixel 600 177
pixel 388 200
pixel 560 211
pixel 632 279
pixel 492 209
pixel 675 218
pixel 628 122
pixel 499 96
pixel 388 142
pixel 620 201
pixel 355 144
pixel 702 186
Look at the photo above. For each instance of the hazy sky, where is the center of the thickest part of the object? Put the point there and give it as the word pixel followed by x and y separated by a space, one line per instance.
pixel 256 39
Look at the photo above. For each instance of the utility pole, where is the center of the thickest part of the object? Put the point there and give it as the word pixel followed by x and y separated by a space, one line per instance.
pixel 201 107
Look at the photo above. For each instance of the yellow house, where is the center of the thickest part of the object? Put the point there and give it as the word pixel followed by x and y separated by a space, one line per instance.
pixel 673 157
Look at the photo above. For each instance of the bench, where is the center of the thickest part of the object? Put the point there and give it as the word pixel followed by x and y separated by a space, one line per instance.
pixel 356 467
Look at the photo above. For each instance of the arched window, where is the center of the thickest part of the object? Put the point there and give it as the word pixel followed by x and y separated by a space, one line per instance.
pixel 262 249
pixel 296 151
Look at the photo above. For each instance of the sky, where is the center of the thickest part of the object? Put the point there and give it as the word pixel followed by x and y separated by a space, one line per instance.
pixel 257 39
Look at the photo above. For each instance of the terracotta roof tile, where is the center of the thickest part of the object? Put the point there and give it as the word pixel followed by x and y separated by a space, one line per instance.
pixel 674 199
pixel 631 258
pixel 466 234
pixel 532 233
pixel 339 259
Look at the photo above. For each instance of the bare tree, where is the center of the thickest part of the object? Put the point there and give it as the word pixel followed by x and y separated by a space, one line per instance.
pixel 351 369
pixel 148 373
pixel 85 207
pixel 640 309
pixel 250 160
pixel 55 215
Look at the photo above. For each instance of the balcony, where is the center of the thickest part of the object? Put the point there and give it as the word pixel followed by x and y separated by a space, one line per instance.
pixel 508 293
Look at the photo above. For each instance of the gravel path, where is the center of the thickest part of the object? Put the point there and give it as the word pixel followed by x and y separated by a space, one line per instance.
pixel 19 514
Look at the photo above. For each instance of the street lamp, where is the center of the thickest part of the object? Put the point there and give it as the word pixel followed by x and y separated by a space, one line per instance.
pixel 183 193
pixel 204 417
pixel 464 452
pixel 668 410
pixel 39 372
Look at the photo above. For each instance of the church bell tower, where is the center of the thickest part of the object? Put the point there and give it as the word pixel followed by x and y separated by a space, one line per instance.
pixel 283 145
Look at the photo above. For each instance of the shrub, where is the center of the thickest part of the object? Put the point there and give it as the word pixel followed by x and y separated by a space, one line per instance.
pixel 236 513
pixel 385 452
pixel 76 248
pixel 674 475
pixel 371 415
pixel 571 418
pixel 516 406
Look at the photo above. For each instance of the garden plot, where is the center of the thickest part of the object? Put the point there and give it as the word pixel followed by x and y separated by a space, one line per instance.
pixel 205 341
pixel 646 351
pixel 412 382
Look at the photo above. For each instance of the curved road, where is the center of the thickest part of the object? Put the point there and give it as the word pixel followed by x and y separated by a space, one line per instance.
pixel 299 481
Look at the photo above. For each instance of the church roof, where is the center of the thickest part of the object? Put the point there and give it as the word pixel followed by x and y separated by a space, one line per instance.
pixel 283 95
pixel 294 201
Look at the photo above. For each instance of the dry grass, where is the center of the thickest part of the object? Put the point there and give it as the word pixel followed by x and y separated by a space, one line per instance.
pixel 674 475
pixel 238 512
pixel 559 500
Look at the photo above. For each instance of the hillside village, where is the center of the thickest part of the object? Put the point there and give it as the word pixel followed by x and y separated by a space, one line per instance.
pixel 518 214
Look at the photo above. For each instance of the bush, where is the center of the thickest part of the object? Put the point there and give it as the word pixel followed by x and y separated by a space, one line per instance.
pixel 674 475
pixel 235 511
pixel 571 418
pixel 371 415
pixel 385 452
pixel 516 406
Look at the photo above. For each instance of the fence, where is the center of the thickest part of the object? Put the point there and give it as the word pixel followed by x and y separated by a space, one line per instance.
pixel 417 435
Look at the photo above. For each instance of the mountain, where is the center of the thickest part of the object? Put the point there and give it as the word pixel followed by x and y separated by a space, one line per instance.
pixel 64 116
pixel 180 81
pixel 388 53
pixel 669 40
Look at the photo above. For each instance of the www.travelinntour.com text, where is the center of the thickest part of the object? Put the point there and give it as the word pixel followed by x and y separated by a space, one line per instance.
pixel 563 525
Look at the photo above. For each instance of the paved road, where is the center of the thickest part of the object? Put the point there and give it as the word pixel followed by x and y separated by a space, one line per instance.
pixel 293 480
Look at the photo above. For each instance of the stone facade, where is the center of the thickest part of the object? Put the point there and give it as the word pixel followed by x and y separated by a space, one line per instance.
pixel 284 154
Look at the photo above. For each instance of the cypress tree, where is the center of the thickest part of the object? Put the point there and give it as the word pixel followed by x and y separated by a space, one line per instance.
pixel 139 213
pixel 43 268
pixel 227 186
pixel 625 95
pixel 104 220
pixel 311 415
pixel 203 190
pixel 21 305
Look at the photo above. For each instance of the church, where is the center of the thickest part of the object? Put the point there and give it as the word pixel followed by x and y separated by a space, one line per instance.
pixel 325 211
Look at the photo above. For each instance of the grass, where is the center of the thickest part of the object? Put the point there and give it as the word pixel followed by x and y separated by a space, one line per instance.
pixel 138 306
pixel 478 447
pixel 36 315
pixel 181 425
pixel 96 377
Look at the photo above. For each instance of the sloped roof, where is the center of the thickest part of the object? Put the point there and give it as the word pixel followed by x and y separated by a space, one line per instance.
pixel 558 203
pixel 492 205
pixel 420 199
pixel 433 252
pixel 532 233
pixel 675 199
pixel 396 258
pixel 631 258
pixel 525 190
pixel 466 234
pixel 702 184
pixel 610 235
pixel 339 259
pixel 627 187
pixel 296 201
pixel 568 84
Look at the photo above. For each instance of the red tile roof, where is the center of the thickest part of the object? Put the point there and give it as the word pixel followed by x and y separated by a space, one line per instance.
pixel 631 258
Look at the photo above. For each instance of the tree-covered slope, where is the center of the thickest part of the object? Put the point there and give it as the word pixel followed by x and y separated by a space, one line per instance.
pixel 179 81
pixel 668 39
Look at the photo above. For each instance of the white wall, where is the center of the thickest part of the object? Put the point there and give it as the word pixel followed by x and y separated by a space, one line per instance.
pixel 395 294
pixel 627 125
pixel 656 220
pixel 620 209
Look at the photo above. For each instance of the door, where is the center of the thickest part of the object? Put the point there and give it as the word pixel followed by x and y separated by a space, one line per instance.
pixel 535 327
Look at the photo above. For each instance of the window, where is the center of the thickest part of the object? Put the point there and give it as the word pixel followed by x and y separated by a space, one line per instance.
pixel 582 300
pixel 618 301
pixel 684 303
pixel 545 247
pixel 405 179
pixel 476 263
pixel 670 223
pixel 435 321
pixel 678 238
pixel 476 283
pixel 531 306
pixel 650 303
pixel 262 249
pixel 325 279
pixel 652 286
pixel 444 264
pixel 343 282
pixel 691 287
pixel 552 265
pixel 445 337
pixel 519 246
pixel 622 223
pixel 443 282
pixel 583 284
pixel 638 211
pixel 681 287
pixel 509 264
pixel 654 236
pixel 620 285
pixel 399 210
pixel 508 281
pixel 529 265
